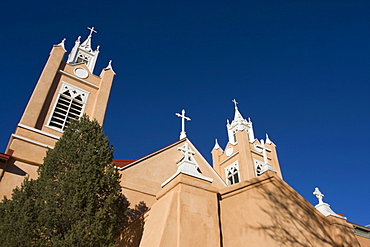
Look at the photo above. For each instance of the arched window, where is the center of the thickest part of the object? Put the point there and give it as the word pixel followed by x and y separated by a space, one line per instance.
pixel 232 174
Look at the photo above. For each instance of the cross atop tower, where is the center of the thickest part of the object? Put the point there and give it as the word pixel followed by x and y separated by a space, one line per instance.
pixel 182 115
pixel 91 30
pixel 235 102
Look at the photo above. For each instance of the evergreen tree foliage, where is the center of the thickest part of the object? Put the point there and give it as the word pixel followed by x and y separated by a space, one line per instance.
pixel 76 200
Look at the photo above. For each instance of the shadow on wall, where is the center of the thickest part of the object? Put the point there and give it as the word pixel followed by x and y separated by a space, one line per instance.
pixel 131 235
pixel 292 221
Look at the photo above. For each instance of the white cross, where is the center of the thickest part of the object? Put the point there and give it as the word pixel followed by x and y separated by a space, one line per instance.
pixel 91 30
pixel 186 151
pixel 235 102
pixel 319 195
pixel 263 147
pixel 182 115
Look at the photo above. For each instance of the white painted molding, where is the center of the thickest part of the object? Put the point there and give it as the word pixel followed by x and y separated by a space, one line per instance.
pixel 228 158
pixel 38 131
pixel 31 141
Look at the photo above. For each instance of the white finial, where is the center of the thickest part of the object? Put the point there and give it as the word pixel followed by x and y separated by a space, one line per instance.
pixel 110 66
pixel 91 30
pixel 78 39
pixel 323 207
pixel 268 141
pixel 182 115
pixel 216 145
pixel 62 43
pixel 319 195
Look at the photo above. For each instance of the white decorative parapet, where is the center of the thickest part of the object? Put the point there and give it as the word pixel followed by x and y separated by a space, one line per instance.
pixel 323 207
pixel 187 165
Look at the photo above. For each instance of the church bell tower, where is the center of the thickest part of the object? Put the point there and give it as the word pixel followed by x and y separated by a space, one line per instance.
pixel 244 157
pixel 64 91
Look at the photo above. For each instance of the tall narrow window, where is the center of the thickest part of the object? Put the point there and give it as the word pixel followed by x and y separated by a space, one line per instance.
pixel 70 105
pixel 232 174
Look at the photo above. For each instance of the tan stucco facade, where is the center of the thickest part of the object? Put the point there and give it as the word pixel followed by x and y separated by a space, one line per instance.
pixel 190 211
pixel 33 135
pixel 191 203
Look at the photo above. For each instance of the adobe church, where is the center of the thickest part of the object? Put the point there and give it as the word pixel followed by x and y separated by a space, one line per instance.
pixel 239 200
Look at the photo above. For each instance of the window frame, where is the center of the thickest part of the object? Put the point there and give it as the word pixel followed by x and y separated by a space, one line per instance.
pixel 65 106
pixel 236 171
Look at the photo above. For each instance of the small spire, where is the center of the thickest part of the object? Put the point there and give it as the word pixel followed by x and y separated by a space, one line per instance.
pixel 237 115
pixel 216 145
pixel 268 141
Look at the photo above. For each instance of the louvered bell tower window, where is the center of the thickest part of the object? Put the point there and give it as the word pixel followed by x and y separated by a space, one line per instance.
pixel 70 105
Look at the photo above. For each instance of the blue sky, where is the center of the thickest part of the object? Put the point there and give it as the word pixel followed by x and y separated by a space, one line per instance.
pixel 299 69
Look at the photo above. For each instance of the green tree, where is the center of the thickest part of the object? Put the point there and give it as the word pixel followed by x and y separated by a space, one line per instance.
pixel 76 200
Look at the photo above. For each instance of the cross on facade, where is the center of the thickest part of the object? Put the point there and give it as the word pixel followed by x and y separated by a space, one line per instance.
pixel 319 195
pixel 264 149
pixel 91 30
pixel 187 152
pixel 182 115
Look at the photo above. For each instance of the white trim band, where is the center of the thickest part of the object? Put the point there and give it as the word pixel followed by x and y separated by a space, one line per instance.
pixel 38 131
pixel 32 141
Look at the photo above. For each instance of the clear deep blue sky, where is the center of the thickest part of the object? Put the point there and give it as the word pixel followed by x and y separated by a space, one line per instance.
pixel 299 69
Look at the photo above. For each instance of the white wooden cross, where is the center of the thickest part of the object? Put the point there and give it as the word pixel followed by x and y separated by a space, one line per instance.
pixel 91 30
pixel 235 102
pixel 319 195
pixel 182 115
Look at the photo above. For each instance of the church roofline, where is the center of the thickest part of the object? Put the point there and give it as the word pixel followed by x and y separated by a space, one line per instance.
pixel 151 154
pixel 5 157
pixel 120 163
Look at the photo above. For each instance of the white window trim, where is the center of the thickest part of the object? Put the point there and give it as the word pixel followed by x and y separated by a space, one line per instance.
pixel 256 164
pixel 228 168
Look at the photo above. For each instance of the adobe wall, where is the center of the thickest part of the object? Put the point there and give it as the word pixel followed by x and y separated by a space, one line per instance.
pixel 265 211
